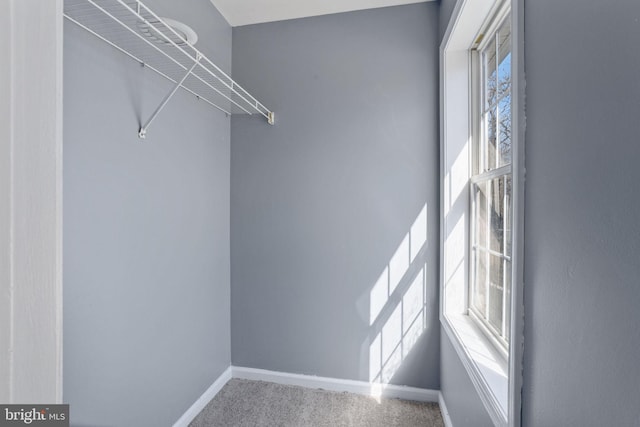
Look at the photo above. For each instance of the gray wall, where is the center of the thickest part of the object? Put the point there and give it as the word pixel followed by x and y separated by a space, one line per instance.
pixel 321 201
pixel 146 233
pixel 444 16
pixel 582 204
pixel 582 286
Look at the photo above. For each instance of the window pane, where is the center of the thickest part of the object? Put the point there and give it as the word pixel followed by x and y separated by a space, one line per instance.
pixel 507 215
pixel 496 287
pixel 489 147
pixel 504 129
pixel 507 309
pixel 480 223
pixel 490 74
pixel 496 209
pixel 479 295
pixel 504 58
pixel 490 90
pixel 504 94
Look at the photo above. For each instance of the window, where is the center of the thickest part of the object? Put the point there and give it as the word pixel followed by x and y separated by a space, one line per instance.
pixel 491 185
pixel 482 160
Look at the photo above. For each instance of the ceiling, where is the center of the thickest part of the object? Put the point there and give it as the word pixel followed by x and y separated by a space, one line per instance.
pixel 245 12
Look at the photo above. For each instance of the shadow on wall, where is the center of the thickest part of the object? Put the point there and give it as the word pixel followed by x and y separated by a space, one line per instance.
pixel 398 306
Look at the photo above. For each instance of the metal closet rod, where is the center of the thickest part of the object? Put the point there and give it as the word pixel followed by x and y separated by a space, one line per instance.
pixel 197 62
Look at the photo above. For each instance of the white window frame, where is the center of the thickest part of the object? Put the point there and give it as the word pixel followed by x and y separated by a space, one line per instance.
pixel 497 379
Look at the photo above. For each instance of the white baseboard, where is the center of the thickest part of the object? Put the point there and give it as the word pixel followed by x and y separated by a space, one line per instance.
pixel 202 401
pixel 312 381
pixel 445 412
pixel 336 384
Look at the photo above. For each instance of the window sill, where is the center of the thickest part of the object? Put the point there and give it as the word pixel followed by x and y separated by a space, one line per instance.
pixel 485 365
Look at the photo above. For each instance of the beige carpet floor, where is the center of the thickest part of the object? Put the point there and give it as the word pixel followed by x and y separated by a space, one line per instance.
pixel 256 403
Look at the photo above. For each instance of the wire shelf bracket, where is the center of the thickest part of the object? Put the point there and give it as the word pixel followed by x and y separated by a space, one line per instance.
pixel 143 130
pixel 133 29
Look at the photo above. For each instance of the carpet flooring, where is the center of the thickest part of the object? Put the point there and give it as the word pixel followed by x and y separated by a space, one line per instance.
pixel 257 403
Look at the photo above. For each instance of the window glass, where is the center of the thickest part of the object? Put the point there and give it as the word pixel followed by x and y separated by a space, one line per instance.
pixel 504 58
pixel 496 219
pixel 482 198
pixel 490 74
pixel 480 255
pixel 479 297
pixel 504 138
pixel 489 144
pixel 507 299
pixel 508 214
pixel 496 287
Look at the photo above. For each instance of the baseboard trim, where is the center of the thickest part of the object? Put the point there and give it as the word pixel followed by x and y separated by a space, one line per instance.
pixel 202 401
pixel 312 381
pixel 445 412
pixel 336 384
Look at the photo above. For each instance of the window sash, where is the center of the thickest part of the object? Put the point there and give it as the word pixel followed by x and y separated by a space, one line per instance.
pixel 483 309
pixel 485 172
pixel 498 47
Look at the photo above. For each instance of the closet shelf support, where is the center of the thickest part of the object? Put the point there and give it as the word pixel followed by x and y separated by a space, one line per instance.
pixel 142 133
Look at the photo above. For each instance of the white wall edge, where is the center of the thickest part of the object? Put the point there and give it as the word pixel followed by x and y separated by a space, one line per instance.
pixel 31 342
pixel 203 400
pixel 336 384
pixel 444 411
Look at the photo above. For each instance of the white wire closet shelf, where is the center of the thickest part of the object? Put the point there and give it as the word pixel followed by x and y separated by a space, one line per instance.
pixel 133 29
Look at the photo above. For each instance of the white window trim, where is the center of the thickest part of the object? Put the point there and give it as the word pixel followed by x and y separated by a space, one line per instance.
pixel 497 381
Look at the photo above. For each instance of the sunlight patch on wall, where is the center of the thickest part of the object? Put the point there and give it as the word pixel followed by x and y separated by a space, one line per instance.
pixel 418 234
pixel 400 332
pixel 398 304
pixel 399 264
